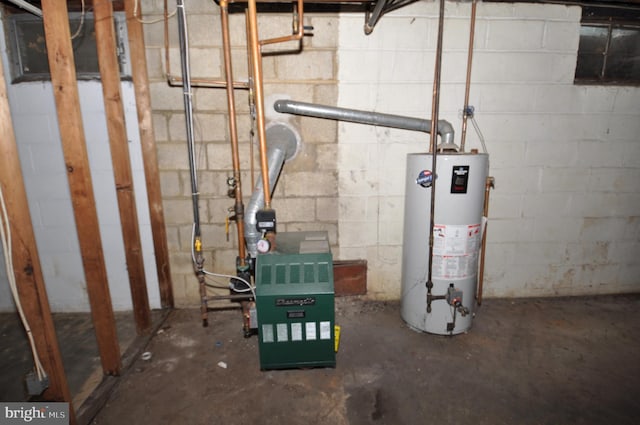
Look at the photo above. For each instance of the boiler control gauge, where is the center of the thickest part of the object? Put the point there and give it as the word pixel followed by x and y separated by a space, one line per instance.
pixel 263 246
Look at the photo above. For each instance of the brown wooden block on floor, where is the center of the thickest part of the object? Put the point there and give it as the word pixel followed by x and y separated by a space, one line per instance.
pixel 350 277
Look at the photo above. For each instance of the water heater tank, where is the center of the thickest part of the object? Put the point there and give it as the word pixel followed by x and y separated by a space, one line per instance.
pixel 459 198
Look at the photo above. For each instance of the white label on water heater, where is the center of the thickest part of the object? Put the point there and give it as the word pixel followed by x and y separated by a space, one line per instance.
pixel 455 250
pixel 456 239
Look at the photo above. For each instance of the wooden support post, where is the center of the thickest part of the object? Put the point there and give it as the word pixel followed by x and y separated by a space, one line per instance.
pixel 149 153
pixel 116 127
pixel 65 90
pixel 26 263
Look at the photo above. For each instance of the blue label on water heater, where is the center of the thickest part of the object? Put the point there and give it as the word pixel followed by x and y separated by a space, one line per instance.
pixel 425 178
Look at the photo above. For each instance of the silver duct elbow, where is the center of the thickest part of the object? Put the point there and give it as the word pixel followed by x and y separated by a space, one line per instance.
pixel 445 129
pixel 282 144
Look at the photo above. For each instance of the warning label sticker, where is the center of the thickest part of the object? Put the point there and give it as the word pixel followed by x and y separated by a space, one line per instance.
pixel 455 250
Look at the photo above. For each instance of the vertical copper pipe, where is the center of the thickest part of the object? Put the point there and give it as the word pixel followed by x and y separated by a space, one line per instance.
pixel 433 149
pixel 297 35
pixel 472 30
pixel 251 102
pixel 256 62
pixel 167 62
pixel 487 189
pixel 233 130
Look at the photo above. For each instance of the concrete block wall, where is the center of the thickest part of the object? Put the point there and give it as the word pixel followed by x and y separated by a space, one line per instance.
pixel 306 196
pixel 565 214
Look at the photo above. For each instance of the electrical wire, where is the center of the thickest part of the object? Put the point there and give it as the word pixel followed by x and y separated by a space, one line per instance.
pixel 5 234
pixel 152 21
pixel 480 136
pixel 79 29
pixel 249 288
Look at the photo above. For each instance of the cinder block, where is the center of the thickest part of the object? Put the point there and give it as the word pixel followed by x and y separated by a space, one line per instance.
pixel 516 181
pixel 180 211
pixel 205 62
pixel 561 36
pixel 318 131
pixel 357 234
pixel 555 229
pixel 509 230
pixel 294 209
pixel 565 179
pixel 163 97
pixel 357 182
pixel 546 205
pixel 327 209
pixel 204 28
pixel 326 154
pixel 555 154
pixel 311 184
pixel 594 253
pixel 219 156
pixel 358 208
pixel 170 183
pixel 618 180
pixel 504 205
pixel 173 156
pixel 595 229
pixel 313 65
pixel 390 232
pixel 514 35
pixel 325 31
pixel 622 127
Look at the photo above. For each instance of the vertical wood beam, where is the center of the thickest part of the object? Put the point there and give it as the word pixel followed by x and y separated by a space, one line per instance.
pixel 118 142
pixel 65 90
pixel 149 153
pixel 26 262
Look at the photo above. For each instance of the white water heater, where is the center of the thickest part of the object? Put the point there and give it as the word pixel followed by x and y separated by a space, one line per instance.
pixel 447 309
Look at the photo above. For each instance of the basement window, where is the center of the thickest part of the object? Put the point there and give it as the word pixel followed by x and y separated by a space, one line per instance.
pixel 27 48
pixel 609 49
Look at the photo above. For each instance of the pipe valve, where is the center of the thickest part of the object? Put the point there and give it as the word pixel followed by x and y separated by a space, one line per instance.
pixel 454 298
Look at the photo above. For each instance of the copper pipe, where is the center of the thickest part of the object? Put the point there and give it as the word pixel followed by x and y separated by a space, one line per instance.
pixel 472 30
pixel 233 130
pixel 251 103
pixel 207 83
pixel 256 62
pixel 195 82
pixel 487 189
pixel 298 31
pixel 167 62
pixel 433 150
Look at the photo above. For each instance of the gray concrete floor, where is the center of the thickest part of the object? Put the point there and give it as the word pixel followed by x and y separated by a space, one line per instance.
pixel 78 349
pixel 535 361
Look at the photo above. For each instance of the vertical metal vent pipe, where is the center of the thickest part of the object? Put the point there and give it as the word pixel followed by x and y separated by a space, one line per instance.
pixel 444 128
pixel 282 145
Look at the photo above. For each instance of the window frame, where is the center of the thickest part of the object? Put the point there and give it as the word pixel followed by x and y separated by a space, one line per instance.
pixel 613 21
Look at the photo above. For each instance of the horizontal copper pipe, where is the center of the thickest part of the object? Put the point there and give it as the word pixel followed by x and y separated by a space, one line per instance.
pixel 207 82
pixel 296 36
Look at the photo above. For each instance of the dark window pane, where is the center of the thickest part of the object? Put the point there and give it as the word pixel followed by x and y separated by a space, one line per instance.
pixel 589 66
pixel 593 39
pixel 624 54
pixel 608 54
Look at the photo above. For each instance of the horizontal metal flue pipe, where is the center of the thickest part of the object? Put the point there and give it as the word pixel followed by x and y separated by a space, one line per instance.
pixel 445 129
